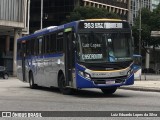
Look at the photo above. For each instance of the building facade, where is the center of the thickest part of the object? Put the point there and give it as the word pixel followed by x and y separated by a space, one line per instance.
pixel 56 11
pixel 154 4
pixel 120 7
pixel 135 5
pixel 12 20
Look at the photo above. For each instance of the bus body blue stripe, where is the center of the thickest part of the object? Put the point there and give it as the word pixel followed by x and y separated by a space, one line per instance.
pixel 43 56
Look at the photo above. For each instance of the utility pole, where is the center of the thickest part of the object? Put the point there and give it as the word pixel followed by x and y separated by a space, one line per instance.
pixel 28 16
pixel 140 28
pixel 41 14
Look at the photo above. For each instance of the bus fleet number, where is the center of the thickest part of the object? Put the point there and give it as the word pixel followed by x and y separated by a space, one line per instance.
pixel 88 25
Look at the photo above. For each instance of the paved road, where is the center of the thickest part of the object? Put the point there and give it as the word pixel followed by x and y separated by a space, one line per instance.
pixel 17 96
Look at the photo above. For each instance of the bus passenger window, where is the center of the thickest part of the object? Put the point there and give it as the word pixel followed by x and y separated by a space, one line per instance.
pixel 53 43
pixel 43 46
pixel 27 47
pixel 47 42
pixel 32 46
pixel 59 42
pixel 36 47
pixel 19 49
pixel 40 46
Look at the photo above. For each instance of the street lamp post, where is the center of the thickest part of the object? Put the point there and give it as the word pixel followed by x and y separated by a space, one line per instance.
pixel 140 27
pixel 41 14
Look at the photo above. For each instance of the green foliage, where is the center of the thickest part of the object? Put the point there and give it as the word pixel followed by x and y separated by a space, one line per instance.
pixel 155 19
pixel 80 13
pixel 150 22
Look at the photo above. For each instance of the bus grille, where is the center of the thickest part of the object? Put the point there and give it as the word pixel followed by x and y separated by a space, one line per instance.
pixel 104 80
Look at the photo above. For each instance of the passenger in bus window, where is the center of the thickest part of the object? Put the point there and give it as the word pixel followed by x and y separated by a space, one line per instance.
pixel 111 56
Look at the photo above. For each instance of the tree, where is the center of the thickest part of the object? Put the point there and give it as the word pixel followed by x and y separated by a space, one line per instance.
pixel 155 19
pixel 150 22
pixel 146 29
pixel 155 26
pixel 90 12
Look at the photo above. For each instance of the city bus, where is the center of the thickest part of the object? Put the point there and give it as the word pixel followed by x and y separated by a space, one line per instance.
pixel 91 53
pixel 137 67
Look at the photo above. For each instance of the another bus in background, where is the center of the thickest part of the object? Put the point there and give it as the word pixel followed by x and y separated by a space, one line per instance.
pixel 137 67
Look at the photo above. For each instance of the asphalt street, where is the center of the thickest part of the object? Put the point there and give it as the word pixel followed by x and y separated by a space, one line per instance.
pixel 17 96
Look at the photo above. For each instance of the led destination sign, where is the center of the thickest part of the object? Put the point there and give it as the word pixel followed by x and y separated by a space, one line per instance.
pixel 102 25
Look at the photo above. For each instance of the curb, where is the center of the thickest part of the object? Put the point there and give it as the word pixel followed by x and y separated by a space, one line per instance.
pixel 141 89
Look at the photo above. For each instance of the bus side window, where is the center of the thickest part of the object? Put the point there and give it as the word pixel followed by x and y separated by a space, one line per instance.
pixel 43 45
pixel 32 46
pixel 28 47
pixel 36 47
pixel 59 40
pixel 47 44
pixel 53 42
pixel 40 46
pixel 19 49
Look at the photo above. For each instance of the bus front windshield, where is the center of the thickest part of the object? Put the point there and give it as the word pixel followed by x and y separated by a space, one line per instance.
pixel 104 47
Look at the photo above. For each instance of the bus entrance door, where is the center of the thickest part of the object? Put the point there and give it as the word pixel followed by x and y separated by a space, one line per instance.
pixel 69 55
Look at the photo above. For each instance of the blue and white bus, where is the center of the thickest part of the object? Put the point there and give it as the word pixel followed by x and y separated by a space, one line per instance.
pixel 91 53
pixel 137 67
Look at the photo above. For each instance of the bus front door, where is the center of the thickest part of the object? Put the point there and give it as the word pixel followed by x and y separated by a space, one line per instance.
pixel 69 57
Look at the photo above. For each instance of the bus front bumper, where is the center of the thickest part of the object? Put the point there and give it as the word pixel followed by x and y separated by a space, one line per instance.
pixel 82 82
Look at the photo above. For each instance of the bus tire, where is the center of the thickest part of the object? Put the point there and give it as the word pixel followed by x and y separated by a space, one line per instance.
pixel 31 81
pixel 108 91
pixel 62 86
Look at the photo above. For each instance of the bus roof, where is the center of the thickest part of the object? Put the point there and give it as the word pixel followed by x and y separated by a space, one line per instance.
pixel 41 30
pixel 54 28
pixel 47 30
pixel 104 19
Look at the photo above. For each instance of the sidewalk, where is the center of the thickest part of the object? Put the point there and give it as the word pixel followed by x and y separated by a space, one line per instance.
pixel 150 83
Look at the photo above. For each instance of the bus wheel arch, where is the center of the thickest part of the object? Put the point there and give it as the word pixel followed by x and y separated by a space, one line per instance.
pixel 31 80
pixel 61 84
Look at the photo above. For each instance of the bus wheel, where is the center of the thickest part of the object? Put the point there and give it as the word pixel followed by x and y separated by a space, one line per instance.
pixel 62 86
pixel 108 91
pixel 31 81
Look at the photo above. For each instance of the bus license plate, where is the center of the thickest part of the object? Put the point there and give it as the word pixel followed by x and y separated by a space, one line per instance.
pixel 110 82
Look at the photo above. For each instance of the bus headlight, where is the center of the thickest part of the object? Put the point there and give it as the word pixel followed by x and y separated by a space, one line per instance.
pixel 129 73
pixel 84 74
